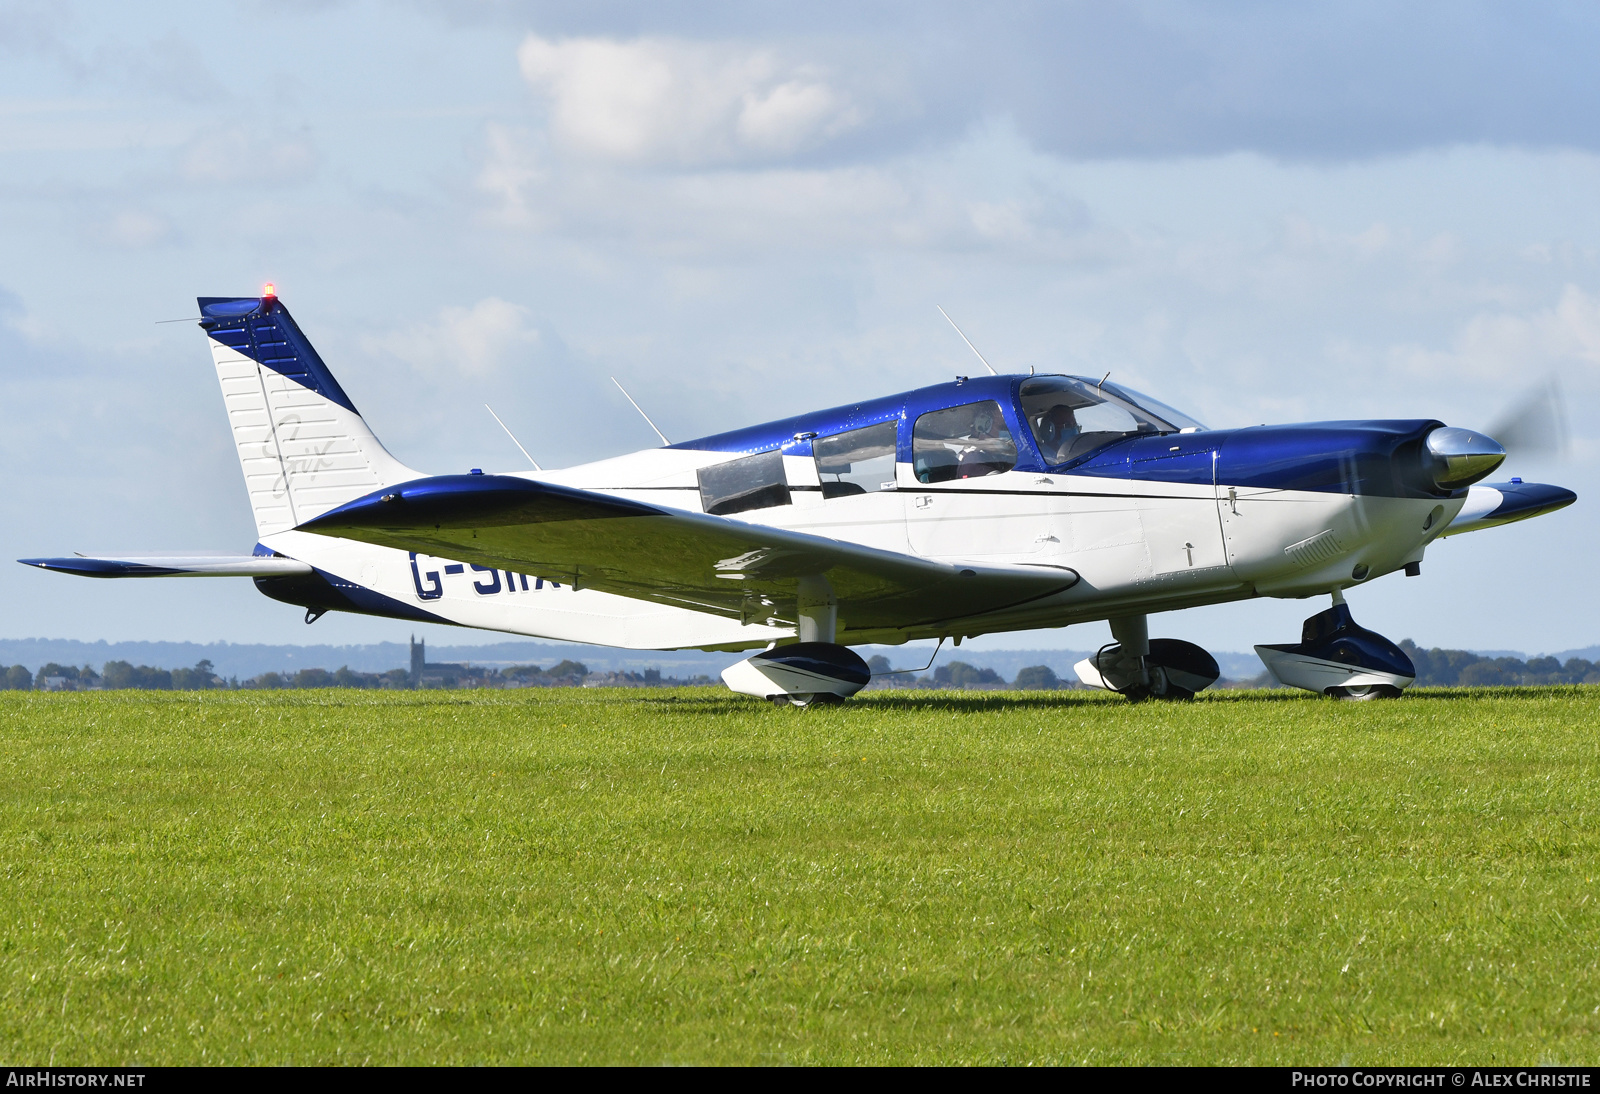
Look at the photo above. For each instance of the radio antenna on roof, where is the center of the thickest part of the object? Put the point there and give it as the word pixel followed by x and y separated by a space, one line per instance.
pixel 640 409
pixel 968 341
pixel 513 437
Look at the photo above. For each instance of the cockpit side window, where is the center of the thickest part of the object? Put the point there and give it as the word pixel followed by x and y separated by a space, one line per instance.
pixel 1070 417
pixel 860 461
pixel 755 482
pixel 962 442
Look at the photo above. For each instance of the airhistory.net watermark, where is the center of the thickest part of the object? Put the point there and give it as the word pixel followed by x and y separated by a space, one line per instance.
pixel 53 1077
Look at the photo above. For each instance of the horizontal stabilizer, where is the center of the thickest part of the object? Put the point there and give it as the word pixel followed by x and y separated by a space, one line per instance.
pixel 1494 503
pixel 721 565
pixel 172 566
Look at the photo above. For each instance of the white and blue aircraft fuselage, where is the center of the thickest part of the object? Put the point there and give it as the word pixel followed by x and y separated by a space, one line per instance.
pixel 987 504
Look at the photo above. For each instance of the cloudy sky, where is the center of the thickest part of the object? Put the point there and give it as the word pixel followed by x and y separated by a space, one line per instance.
pixel 1260 212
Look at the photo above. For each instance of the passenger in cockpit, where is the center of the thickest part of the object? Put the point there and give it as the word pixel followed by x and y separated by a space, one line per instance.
pixel 1055 430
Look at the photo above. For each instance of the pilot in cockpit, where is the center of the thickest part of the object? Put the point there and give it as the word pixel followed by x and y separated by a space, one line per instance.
pixel 983 451
pixel 1056 429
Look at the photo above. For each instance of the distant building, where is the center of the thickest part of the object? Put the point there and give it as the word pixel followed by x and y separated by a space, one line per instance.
pixel 426 674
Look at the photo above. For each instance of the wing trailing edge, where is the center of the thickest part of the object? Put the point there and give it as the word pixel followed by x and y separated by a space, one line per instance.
pixel 693 560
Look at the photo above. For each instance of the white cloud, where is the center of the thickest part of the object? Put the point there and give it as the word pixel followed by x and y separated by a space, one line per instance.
pixel 470 342
pixel 927 201
pixel 510 172
pixel 794 114
pixel 238 154
pixel 1572 327
pixel 663 101
pixel 1500 359
pixel 136 229
pixel 1516 347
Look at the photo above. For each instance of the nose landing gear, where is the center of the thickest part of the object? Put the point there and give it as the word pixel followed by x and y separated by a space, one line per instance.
pixel 1339 658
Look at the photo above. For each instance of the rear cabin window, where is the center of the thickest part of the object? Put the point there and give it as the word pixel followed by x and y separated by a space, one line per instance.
pixel 858 462
pixel 962 442
pixel 755 482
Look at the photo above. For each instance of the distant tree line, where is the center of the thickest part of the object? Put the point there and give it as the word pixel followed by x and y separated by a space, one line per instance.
pixel 117 675
pixel 1439 668
pixel 961 675
pixel 1435 668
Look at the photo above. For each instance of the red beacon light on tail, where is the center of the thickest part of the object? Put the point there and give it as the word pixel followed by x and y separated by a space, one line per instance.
pixel 269 293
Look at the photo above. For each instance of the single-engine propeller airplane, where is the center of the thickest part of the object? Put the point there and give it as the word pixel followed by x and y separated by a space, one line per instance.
pixel 986 504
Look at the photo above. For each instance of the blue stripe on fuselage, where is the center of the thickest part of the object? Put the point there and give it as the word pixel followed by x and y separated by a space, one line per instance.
pixel 1375 458
pixel 908 405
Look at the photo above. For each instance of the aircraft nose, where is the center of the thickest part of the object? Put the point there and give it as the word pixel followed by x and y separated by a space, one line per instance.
pixel 1456 457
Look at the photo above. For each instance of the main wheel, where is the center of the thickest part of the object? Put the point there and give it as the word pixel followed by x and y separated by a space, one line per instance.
pixel 817 699
pixel 1160 687
pixel 1360 693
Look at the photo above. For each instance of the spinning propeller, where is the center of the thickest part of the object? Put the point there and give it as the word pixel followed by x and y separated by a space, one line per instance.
pixel 1536 426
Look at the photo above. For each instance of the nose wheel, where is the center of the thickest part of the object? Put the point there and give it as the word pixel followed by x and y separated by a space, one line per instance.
pixel 1341 659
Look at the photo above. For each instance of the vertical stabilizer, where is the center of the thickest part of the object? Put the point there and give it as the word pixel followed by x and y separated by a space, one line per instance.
pixel 303 446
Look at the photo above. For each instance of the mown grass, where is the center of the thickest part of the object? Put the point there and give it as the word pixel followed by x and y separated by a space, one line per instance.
pixel 683 876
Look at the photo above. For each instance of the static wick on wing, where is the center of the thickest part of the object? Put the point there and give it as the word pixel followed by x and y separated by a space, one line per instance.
pixel 640 409
pixel 513 437
pixel 968 341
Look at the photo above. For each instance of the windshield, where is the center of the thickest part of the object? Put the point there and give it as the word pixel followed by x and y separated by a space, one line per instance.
pixel 1071 417
pixel 1173 417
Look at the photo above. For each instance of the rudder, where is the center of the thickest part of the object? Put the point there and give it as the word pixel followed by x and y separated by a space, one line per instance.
pixel 303 446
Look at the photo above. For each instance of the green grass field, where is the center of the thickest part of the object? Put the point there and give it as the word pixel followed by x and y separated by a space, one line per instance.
pixel 571 875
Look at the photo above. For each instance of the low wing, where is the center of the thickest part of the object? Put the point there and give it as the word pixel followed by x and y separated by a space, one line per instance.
pixel 670 556
pixel 1490 504
pixel 172 566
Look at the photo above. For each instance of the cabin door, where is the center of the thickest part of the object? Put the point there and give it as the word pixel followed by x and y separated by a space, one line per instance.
pixel 1174 477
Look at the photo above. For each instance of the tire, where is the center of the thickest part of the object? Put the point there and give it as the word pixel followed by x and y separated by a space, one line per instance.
pixel 1160 687
pixel 1362 693
pixel 808 700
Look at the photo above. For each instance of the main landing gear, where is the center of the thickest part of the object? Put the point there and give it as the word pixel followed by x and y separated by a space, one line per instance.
pixel 800 674
pixel 1340 659
pixel 1144 668
pixel 814 670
